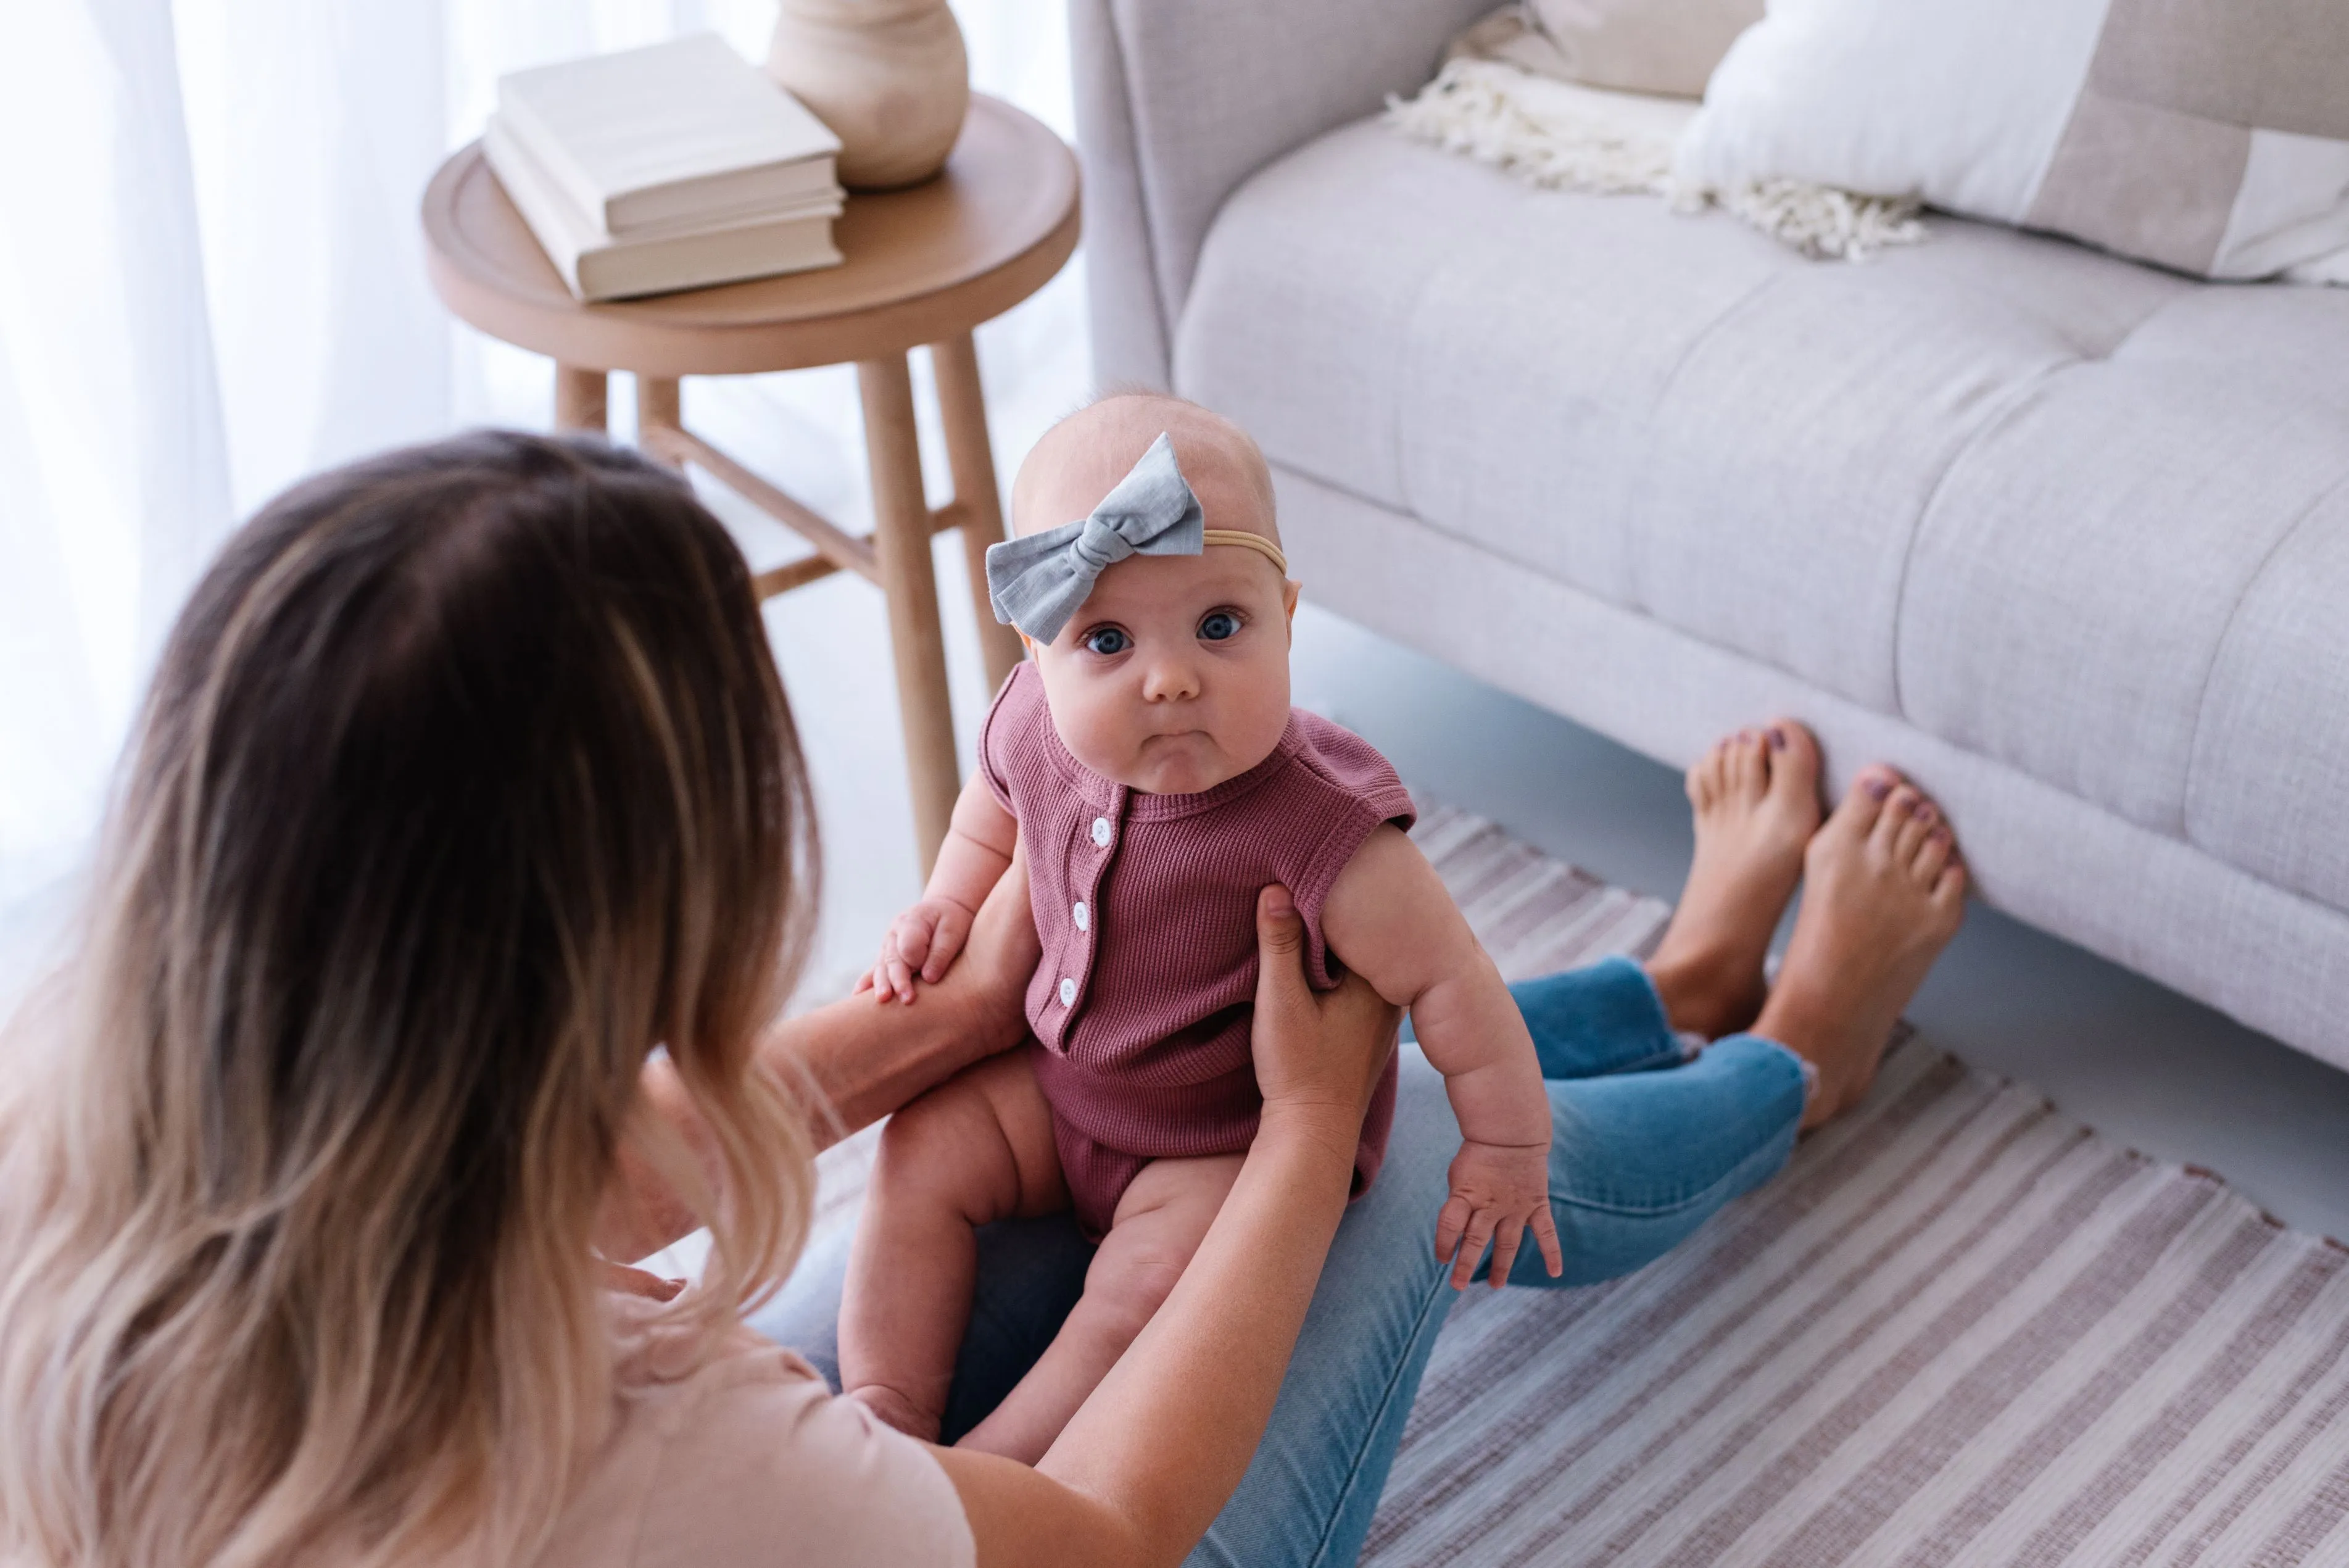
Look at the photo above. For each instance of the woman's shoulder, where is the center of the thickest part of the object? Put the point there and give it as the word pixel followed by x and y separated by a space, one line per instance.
pixel 739 1452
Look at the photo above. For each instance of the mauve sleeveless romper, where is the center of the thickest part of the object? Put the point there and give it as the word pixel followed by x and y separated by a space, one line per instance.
pixel 1141 1006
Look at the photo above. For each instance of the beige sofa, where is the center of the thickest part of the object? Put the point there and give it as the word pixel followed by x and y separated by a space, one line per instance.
pixel 2065 536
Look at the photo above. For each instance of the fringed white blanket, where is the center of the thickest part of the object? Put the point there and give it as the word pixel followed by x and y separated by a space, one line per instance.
pixel 1553 133
pixel 1567 136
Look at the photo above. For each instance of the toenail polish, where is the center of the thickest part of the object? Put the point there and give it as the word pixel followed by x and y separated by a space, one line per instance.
pixel 1877 788
pixel 1925 813
pixel 1939 835
pixel 1777 740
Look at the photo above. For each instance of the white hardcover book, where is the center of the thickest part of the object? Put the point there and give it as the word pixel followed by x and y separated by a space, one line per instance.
pixel 597 266
pixel 677 133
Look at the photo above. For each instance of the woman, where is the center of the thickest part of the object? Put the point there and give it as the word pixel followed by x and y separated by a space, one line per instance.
pixel 463 850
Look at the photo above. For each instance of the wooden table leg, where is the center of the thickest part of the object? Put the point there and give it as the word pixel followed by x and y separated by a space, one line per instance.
pixel 582 399
pixel 659 406
pixel 901 543
pixel 963 403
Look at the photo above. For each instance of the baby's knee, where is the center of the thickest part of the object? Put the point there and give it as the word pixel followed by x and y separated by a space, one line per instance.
pixel 921 1122
pixel 946 1142
pixel 1124 1293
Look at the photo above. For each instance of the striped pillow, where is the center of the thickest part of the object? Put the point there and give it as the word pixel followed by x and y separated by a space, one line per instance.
pixel 2209 136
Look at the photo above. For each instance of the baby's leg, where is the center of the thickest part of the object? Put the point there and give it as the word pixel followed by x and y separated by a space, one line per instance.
pixel 977 1149
pixel 1160 1223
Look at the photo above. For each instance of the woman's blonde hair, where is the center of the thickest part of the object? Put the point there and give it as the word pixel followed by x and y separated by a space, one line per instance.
pixel 465 780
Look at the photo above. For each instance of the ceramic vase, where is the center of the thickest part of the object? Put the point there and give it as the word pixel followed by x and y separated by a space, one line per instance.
pixel 889 76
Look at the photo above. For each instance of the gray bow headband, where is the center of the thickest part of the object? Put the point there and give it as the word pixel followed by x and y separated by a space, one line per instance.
pixel 1038 582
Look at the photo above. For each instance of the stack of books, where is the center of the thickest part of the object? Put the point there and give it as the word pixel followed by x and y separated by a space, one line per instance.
pixel 676 166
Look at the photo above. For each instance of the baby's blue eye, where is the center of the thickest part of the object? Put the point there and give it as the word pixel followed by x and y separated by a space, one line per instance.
pixel 1107 641
pixel 1219 625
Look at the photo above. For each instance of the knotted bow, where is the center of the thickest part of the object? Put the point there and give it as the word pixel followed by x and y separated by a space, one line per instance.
pixel 1036 583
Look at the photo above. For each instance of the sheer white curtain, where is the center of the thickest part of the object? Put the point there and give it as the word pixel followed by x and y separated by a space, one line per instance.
pixel 113 470
pixel 210 284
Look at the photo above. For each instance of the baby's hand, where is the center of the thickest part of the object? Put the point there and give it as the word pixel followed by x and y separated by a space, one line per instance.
pixel 1498 1190
pixel 921 943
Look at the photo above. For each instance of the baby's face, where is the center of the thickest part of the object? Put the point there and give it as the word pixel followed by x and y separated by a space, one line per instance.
pixel 1174 675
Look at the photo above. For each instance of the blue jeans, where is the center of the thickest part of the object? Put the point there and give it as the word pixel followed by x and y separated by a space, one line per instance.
pixel 1645 1147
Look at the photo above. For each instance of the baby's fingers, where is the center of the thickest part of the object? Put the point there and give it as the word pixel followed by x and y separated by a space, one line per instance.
pixel 900 978
pixel 945 941
pixel 910 939
pixel 1451 1221
pixel 1471 1247
pixel 1507 1236
pixel 1544 1226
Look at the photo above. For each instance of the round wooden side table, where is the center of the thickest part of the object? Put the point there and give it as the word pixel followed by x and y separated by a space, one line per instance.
pixel 923 265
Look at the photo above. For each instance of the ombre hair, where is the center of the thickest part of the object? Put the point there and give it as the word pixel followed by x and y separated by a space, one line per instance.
pixel 466 782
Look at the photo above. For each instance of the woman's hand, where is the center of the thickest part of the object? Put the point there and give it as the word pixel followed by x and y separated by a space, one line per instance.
pixel 629 1280
pixel 1317 1055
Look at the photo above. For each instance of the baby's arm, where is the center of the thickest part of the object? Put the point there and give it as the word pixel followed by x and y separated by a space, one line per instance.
pixel 924 940
pixel 1390 919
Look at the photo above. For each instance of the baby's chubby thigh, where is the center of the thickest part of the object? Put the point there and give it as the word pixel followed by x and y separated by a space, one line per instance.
pixel 979 1145
pixel 1158 1223
pixel 975 1149
pixel 1162 1218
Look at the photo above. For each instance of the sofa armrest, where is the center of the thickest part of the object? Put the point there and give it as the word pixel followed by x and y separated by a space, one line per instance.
pixel 1177 101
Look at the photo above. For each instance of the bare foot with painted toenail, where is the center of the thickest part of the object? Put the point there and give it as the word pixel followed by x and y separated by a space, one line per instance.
pixel 1883 891
pixel 1756 796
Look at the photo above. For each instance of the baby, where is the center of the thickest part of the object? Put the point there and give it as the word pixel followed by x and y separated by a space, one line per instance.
pixel 1151 761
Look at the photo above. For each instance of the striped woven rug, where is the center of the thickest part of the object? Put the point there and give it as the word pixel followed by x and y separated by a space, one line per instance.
pixel 1958 1331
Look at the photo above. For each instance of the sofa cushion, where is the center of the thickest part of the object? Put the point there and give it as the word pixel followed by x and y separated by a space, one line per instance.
pixel 2268 789
pixel 1673 412
pixel 2008 488
pixel 2090 557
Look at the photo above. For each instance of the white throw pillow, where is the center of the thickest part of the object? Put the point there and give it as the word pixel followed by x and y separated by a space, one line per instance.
pixel 2209 136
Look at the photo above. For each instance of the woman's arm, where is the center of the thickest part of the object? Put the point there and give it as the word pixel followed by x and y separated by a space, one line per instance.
pixel 867 1060
pixel 862 1062
pixel 1151 1457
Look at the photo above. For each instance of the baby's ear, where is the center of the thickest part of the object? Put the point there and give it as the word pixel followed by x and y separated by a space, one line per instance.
pixel 1290 589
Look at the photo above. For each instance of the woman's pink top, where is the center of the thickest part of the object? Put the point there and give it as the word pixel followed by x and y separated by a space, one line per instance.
pixel 744 1456
pixel 1141 1006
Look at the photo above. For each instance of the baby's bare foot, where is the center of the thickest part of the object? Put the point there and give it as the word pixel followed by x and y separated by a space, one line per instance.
pixel 1883 892
pixel 896 1410
pixel 1756 795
